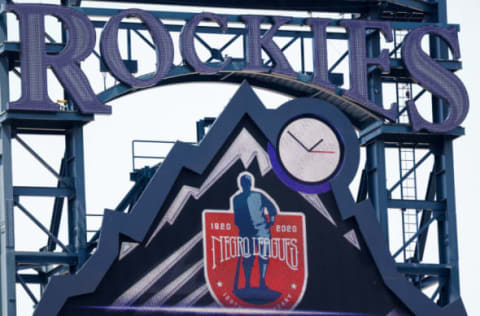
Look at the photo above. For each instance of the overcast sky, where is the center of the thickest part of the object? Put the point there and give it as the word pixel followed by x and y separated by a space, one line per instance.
pixel 170 113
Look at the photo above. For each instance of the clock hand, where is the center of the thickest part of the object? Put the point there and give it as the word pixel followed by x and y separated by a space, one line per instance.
pixel 318 143
pixel 322 152
pixel 298 141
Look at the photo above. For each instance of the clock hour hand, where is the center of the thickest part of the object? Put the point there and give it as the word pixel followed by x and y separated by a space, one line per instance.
pixel 298 141
pixel 318 143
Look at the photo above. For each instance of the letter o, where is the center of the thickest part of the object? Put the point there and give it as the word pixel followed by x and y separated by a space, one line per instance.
pixel 111 54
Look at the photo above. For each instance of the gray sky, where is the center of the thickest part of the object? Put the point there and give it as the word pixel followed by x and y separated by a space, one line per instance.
pixel 170 113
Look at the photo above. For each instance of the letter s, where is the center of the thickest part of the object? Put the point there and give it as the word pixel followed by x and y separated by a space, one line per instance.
pixel 293 254
pixel 435 78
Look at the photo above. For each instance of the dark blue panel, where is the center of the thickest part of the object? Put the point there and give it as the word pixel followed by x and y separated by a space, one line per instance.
pixel 195 160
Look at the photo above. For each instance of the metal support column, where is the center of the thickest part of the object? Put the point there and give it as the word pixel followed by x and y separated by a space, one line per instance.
pixel 376 150
pixel 77 216
pixel 447 225
pixel 377 181
pixel 445 189
pixel 7 236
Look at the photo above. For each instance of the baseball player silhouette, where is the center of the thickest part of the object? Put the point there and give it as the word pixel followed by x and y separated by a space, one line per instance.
pixel 250 218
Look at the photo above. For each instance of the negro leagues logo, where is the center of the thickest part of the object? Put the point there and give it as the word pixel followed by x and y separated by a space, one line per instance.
pixel 255 254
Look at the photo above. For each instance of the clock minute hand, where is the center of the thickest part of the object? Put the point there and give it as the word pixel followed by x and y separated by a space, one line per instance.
pixel 322 151
pixel 298 141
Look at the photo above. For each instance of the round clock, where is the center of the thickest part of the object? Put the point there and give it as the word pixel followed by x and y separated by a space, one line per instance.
pixel 309 150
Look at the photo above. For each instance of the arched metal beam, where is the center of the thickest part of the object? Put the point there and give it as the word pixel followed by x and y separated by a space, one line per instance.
pixel 296 87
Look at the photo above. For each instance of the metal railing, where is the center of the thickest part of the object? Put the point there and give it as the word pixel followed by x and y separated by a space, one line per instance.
pixel 160 159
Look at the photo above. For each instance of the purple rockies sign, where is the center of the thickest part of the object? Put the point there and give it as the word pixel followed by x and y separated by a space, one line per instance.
pixel 81 41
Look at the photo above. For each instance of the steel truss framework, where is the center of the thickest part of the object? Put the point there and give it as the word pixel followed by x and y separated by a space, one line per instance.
pixel 436 205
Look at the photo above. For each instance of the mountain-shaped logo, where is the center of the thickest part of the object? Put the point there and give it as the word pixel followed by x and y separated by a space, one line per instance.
pixel 244 223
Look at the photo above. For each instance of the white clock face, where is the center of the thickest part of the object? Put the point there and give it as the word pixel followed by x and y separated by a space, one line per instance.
pixel 309 150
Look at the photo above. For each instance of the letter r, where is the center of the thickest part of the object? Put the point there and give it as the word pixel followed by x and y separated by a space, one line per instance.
pixel 34 59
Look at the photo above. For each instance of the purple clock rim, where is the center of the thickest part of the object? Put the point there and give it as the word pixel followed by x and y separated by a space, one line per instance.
pixel 291 183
